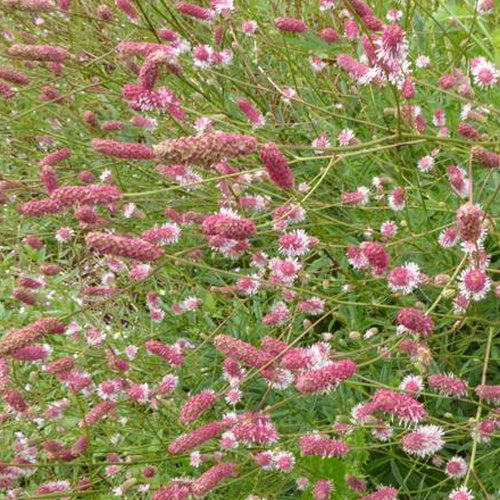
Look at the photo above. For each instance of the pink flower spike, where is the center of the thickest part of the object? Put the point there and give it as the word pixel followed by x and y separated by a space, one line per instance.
pixel 206 149
pixel 399 405
pixel 195 11
pixel 490 393
pixel 415 321
pixel 315 444
pixel 448 385
pixel 123 246
pixel 277 166
pixel 254 116
pixel 197 437
pixel 125 150
pixel 196 405
pixel 172 355
pixel 39 52
pixel 326 378
pixel 212 477
pixel 382 493
pixel 290 25
pixel 321 490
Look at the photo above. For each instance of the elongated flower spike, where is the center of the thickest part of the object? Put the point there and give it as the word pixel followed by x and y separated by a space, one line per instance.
pixel 39 52
pixel 86 195
pixel 125 150
pixel 123 246
pixel 291 25
pixel 197 437
pixel 327 378
pixel 13 76
pixel 206 149
pixel 27 335
pixel 195 11
pixel 277 166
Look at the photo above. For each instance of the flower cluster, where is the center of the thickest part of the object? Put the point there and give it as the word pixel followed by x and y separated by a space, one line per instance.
pixel 249 250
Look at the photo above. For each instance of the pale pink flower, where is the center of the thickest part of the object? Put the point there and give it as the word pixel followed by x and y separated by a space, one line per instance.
pixel 376 256
pixel 296 243
pixel 460 304
pixel 278 315
pixel 484 72
pixel 233 396
pixel 356 258
pixel 197 437
pixel 157 315
pixel 140 272
pixel 394 15
pixel 313 306
pixel 322 490
pixel 448 237
pixel 462 493
pixel 325 5
pixel 326 378
pixel 264 460
pixel 359 197
pixel 195 11
pixel 388 229
pixel 53 487
pixel 317 63
pixel 166 234
pixel 414 321
pixel 196 459
pixel 382 431
pixel 303 187
pixel 168 383
pixel 288 93
pixel 485 7
pixel 284 271
pixel 284 461
pixel 397 199
pixel 456 467
pixel 426 163
pixel 426 440
pixel 346 137
pixel 196 405
pixel 225 7
pixel 422 62
pixel 249 27
pixel 320 142
pixel 95 337
pixel 405 279
pixel 302 483
pixel 392 47
pixel 203 125
pixel 474 284
pixel 64 234
pixel 351 29
pixel 412 383
pixel 458 180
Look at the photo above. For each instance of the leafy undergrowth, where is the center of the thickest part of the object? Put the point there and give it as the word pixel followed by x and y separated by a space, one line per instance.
pixel 248 251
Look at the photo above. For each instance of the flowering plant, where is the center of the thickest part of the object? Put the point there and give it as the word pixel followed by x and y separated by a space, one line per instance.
pixel 249 249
